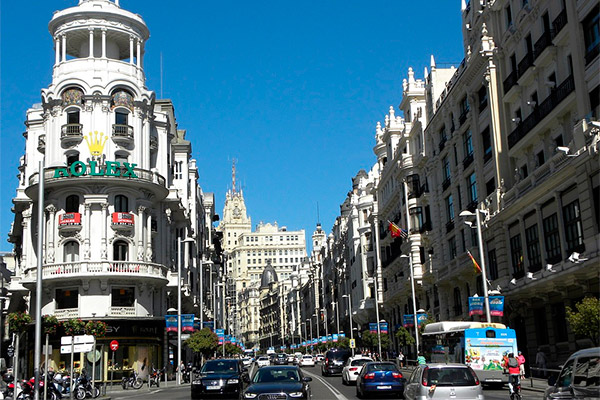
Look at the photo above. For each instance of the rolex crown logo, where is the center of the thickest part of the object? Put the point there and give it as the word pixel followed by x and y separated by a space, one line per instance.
pixel 96 142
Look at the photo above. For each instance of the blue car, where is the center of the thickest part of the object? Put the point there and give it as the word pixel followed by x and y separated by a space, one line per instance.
pixel 380 378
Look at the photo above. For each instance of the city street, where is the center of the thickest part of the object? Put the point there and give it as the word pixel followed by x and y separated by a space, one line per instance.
pixel 323 388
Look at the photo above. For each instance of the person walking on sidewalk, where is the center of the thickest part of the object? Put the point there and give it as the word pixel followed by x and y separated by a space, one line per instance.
pixel 540 362
pixel 401 359
pixel 521 359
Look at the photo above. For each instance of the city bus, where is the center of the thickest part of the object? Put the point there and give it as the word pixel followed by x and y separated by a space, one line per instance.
pixel 482 346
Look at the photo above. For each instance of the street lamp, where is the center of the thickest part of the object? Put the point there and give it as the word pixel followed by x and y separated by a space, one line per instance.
pixel 326 322
pixel 414 297
pixel 469 214
pixel 179 241
pixel 316 315
pixel 337 317
pixel 350 316
pixel 311 329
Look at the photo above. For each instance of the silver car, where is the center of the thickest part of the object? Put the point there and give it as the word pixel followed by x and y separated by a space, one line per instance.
pixel 443 381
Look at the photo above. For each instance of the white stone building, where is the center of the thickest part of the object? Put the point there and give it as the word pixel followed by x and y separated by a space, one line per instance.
pixel 120 191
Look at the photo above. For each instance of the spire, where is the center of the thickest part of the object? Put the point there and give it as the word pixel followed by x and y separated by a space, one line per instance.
pixel 233 175
pixel 432 62
pixel 411 75
pixel 463 5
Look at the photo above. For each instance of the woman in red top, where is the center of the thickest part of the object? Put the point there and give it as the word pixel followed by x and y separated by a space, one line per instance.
pixel 512 364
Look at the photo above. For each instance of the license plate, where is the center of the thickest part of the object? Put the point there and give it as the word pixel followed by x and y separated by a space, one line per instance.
pixel 213 387
pixel 384 387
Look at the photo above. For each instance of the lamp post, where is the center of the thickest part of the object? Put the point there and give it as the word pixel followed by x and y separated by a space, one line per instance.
pixel 486 298
pixel 378 267
pixel 337 317
pixel 350 317
pixel 414 297
pixel 316 315
pixel 326 322
pixel 179 241
pixel 311 329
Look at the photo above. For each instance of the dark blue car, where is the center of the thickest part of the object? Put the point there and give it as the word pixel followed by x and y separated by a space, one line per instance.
pixel 380 378
pixel 278 382
pixel 221 378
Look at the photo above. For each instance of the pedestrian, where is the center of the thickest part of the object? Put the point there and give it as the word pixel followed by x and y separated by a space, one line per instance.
pixel 521 359
pixel 401 359
pixel 540 362
pixel 421 359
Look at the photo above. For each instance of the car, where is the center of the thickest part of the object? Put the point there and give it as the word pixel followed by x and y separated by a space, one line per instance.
pixel 278 382
pixel 443 381
pixel 307 361
pixel 319 357
pixel 579 377
pixel 219 378
pixel 247 362
pixel 290 359
pixel 352 368
pixel 280 359
pixel 334 361
pixel 379 378
pixel 297 358
pixel 263 361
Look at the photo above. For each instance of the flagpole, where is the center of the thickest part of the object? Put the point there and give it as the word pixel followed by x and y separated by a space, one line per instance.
pixel 410 265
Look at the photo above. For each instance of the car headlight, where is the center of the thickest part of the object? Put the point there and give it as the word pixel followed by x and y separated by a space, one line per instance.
pixel 250 395
pixel 296 394
pixel 233 381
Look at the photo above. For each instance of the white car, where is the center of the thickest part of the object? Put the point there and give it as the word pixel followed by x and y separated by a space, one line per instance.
pixel 263 361
pixel 247 362
pixel 307 361
pixel 319 357
pixel 290 359
pixel 353 367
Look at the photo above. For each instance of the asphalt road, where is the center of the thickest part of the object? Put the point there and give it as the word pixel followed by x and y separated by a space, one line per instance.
pixel 323 388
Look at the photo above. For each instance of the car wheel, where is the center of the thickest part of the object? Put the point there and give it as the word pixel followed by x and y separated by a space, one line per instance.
pixel 359 393
pixel 344 381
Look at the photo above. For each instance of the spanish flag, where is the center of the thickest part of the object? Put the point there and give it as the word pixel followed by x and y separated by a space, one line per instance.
pixel 395 231
pixel 475 265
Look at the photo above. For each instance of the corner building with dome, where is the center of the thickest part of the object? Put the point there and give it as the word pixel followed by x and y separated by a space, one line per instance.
pixel 122 209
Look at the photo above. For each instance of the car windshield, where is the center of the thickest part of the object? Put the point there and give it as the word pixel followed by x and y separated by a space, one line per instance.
pixel 360 361
pixel 276 375
pixel 307 357
pixel 381 367
pixel 219 367
pixel 451 376
pixel 281 356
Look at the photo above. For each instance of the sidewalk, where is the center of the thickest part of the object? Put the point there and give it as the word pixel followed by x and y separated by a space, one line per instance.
pixel 118 391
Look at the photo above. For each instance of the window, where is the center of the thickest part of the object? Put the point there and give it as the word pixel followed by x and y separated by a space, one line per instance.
pixel 587 373
pixel 552 239
pixel 573 227
pixel 71 251
pixel 486 140
pixel 516 256
pixel 560 322
pixel 492 264
pixel 457 302
pixel 533 248
pixel 449 209
pixel 472 188
pixel 123 297
pixel 490 186
pixel 417 222
pixel 120 251
pixel 483 99
pixel 540 158
pixel 73 116
pixel 513 63
pixel 446 164
pixel 591 34
pixel 121 203
pixel 452 247
pixel 178 169
pixel 468 143
pixel 121 118
pixel 71 158
pixel 72 204
pixel 66 298
pixel 508 14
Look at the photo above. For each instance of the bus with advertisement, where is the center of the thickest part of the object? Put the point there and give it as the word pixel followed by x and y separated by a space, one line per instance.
pixel 482 346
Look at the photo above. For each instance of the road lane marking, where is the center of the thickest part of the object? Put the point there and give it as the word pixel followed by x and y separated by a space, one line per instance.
pixel 338 395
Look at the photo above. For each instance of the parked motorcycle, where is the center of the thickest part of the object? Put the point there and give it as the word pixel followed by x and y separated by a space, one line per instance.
pixel 134 381
pixel 84 388
pixel 155 377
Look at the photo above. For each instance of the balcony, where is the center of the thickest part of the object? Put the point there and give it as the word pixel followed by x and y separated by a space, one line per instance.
pixel 121 311
pixel 510 81
pixel 122 221
pixel 446 183
pixel 122 134
pixel 70 134
pixel 559 22
pixel 542 43
pixel 42 143
pixel 592 54
pixel 467 161
pixel 66 313
pixel 69 222
pixel 525 63
pixel 71 270
pixel 539 113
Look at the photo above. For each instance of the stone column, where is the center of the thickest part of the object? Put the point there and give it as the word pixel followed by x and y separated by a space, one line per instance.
pixel 139 226
pixel 103 251
pixel 50 233
pixel 103 42
pixel 139 54
pixel 64 47
pixel 56 51
pixel 130 49
pixel 91 54
pixel 149 237
pixel 88 231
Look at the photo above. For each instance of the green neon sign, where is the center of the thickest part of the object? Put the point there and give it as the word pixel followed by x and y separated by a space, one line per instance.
pixel 110 168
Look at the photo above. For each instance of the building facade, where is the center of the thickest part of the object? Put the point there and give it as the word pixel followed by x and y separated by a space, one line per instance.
pixel 122 209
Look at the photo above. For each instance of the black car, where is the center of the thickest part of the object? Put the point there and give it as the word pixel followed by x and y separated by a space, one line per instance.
pixel 278 382
pixel 223 378
pixel 334 361
pixel 280 359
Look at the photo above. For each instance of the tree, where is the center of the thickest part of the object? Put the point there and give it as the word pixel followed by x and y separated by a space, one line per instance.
pixel 231 349
pixel 203 341
pixel 343 343
pixel 370 340
pixel 585 321
pixel 404 336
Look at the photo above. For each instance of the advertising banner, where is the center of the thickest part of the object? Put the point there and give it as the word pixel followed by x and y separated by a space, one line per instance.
pixel 476 305
pixel 187 322
pixel 220 335
pixel 335 337
pixel 373 327
pixel 171 323
pixel 383 327
pixel 69 219
pixel 209 324
pixel 329 338
pixel 120 218
pixel 496 306
pixel 408 320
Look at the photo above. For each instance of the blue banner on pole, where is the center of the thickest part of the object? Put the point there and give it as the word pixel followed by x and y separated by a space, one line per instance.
pixel 187 322
pixel 171 323
pixel 496 306
pixel 408 320
pixel 373 327
pixel 383 327
pixel 476 305
pixel 335 337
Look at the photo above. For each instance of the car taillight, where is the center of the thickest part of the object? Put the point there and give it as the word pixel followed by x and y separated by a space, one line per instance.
pixel 474 376
pixel 396 375
pixel 370 375
pixel 327 361
pixel 353 368
pixel 425 374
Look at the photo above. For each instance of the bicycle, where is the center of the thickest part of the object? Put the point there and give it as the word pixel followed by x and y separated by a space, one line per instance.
pixel 514 388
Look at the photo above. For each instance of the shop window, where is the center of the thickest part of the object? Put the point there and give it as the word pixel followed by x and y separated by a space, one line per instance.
pixel 121 203
pixel 72 204
pixel 123 297
pixel 67 298
pixel 71 251
pixel 120 251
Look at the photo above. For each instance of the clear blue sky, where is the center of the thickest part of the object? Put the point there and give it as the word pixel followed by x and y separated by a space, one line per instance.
pixel 292 90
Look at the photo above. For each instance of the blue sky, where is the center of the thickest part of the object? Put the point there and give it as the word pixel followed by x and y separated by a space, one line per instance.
pixel 292 90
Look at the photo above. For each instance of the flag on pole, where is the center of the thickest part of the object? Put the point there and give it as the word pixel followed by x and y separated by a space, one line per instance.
pixel 395 231
pixel 475 265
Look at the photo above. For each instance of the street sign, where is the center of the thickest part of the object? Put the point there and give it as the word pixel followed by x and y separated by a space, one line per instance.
pixel 77 348
pixel 114 345
pixel 10 351
pixel 352 343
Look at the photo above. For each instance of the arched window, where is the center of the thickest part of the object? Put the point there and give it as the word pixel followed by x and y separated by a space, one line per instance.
pixel 121 203
pixel 72 204
pixel 71 251
pixel 120 251
pixel 457 302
